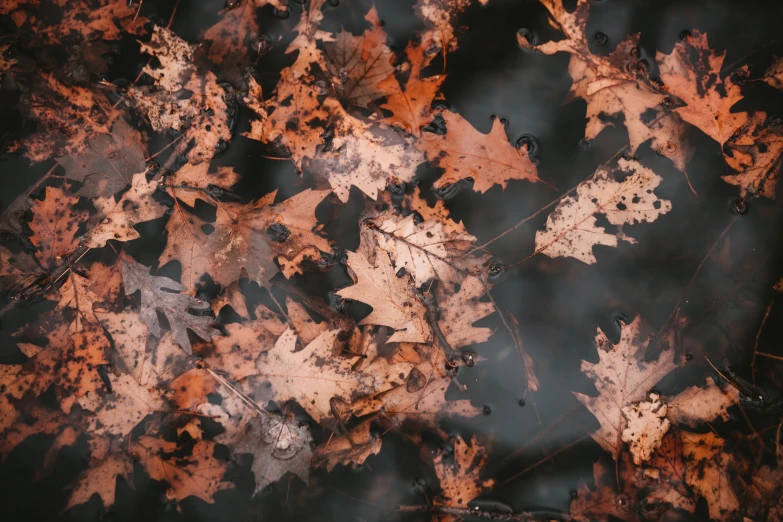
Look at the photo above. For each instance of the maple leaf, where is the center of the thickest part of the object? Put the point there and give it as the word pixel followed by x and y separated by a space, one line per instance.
pixel 199 474
pixel 162 294
pixel 464 152
pixel 621 377
pixel 119 217
pixel 108 162
pixel 390 297
pixel 279 445
pixel 756 153
pixel 67 117
pixel 364 154
pixel 411 106
pixel 123 408
pixel 248 236
pixel 237 352
pixel 571 229
pixel 459 476
pixel 54 225
pixel 186 99
pixel 692 73
pixel 100 479
pixel 314 376
pixel 358 64
pixel 344 451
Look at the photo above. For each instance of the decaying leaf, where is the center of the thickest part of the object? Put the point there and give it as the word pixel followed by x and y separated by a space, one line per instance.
pixel 464 152
pixel 646 426
pixel 342 451
pixel 621 376
pixel 101 479
pixel 279 445
pixel 163 294
pixel 571 230
pixel 55 225
pixel 459 474
pixel 755 152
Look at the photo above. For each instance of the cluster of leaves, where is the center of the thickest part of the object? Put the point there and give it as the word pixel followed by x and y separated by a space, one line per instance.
pixel 128 351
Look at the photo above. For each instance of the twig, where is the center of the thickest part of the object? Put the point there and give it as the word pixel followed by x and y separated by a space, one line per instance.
pixel 756 345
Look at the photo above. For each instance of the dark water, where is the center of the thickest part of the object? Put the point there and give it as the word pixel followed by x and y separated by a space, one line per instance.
pixel 538 452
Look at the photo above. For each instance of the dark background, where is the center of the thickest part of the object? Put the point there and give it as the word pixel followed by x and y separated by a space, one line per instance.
pixel 559 302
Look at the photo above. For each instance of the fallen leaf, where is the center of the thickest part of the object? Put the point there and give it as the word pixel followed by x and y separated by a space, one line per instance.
pixel 163 294
pixel 459 474
pixel 342 451
pixel 464 152
pixel 571 229
pixel 100 479
pixel 755 152
pixel 646 426
pixel 55 224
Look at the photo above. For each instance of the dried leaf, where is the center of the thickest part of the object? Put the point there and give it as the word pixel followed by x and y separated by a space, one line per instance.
pixel 571 229
pixel 54 225
pixel 755 152
pixel 100 479
pixel 353 452
pixel 459 478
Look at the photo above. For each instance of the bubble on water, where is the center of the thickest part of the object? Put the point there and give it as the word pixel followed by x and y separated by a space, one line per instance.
pixel 667 102
pixel 283 12
pixel 231 4
pixel 688 356
pixel 153 166
pixel 323 89
pixel 521 402
pixel 495 270
pixel 600 38
pixel 260 44
pixel 739 206
pixel 447 191
pixel 584 144
pixel 333 3
pixel 529 143
pixel 527 40
pixel 469 359
pixel 685 34
pixel 215 191
pixel 487 409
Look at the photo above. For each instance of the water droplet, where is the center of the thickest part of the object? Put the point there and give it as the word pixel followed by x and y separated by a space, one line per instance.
pixel 396 187
pixel 447 191
pixel 504 121
pixel 527 39
pixel 492 117
pixel 529 143
pixel 487 409
pixel 584 144
pixel 621 320
pixel 153 166
pixel 600 39
pixel 633 53
pixel 468 359
pixel 495 270
pixel 231 4
pixel 215 191
pixel 688 356
pixel 221 145
pixel 401 272
pixel 342 75
pixel 521 402
pixel 739 206
pixel 334 3
pixel 169 211
pixel 283 12
pixel 278 232
pixel 667 102
pixel 685 34
pixel 260 44
pixel 573 494
pixel 637 68
pixel 323 89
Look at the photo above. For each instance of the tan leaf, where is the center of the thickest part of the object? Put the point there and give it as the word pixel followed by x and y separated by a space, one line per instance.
pixel 353 452
pixel 696 405
pixel 184 98
pixel 237 352
pixel 571 229
pixel 304 325
pixel 692 72
pixel 411 105
pixel 390 297
pixel 192 388
pixel 459 476
pixel 100 479
pixel 123 408
pixel 199 474
pixel 314 375
pixel 464 152
pixel 54 225
pixel 646 426
pixel 358 64
pixel 621 377
pixel 755 152
pixel 460 310
pixel 231 296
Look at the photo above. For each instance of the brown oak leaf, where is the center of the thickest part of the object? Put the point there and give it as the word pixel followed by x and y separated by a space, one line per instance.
pixel 100 479
pixel 459 474
pixel 54 225
pixel 464 152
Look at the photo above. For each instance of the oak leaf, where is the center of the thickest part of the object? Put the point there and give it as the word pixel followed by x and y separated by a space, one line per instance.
pixel 108 163
pixel 100 479
pixel 391 298
pixel 692 73
pixel 345 452
pixel 646 426
pixel 464 152
pixel 199 474
pixel 755 152
pixel 314 375
pixel 621 377
pixel 696 405
pixel 459 474
pixel 184 99
pixel 279 445
pixel 123 407
pixel 571 229
pixel 358 64
pixel 162 294
pixel 55 224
